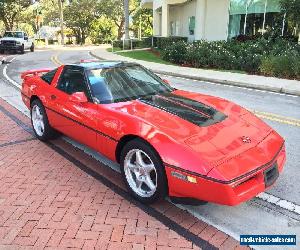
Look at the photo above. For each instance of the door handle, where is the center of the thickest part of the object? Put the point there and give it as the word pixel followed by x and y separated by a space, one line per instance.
pixel 53 97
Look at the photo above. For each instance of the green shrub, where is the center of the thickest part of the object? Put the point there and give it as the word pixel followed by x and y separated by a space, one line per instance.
pixel 135 43
pixel 147 42
pixel 40 42
pixel 281 66
pixel 197 56
pixel 175 53
pixel 52 41
pixel 297 68
pixel 164 42
pixel 118 44
pixel 274 57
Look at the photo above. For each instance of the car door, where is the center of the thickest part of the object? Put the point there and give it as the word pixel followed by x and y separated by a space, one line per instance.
pixel 76 120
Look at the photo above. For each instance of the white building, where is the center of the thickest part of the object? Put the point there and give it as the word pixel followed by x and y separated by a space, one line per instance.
pixel 213 19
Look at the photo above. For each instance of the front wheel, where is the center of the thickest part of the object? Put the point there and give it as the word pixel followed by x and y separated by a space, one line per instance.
pixel 143 172
pixel 39 120
pixel 22 49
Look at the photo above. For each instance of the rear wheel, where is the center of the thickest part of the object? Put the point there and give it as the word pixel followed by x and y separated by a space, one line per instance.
pixel 32 47
pixel 143 172
pixel 40 123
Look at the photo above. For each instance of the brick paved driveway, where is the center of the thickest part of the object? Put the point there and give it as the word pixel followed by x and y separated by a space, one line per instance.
pixel 53 196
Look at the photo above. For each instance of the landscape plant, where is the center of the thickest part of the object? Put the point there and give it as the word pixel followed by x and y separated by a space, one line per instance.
pixel 275 57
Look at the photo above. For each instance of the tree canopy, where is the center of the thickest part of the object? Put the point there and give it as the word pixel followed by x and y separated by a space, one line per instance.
pixel 292 9
pixel 79 15
pixel 10 10
pixel 100 20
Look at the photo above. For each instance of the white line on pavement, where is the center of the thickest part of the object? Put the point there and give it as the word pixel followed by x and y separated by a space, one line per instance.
pixel 290 206
pixel 13 59
pixel 9 79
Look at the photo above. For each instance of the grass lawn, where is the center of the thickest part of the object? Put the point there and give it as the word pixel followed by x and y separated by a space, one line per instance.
pixel 145 55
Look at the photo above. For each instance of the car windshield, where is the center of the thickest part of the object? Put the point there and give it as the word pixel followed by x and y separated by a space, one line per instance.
pixel 13 34
pixel 124 83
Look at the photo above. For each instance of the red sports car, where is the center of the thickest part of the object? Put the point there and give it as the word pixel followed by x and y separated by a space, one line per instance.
pixel 190 146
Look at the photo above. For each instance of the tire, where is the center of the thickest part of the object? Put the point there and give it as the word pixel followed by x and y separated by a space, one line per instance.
pixel 22 49
pixel 1 51
pixel 32 47
pixel 40 124
pixel 136 171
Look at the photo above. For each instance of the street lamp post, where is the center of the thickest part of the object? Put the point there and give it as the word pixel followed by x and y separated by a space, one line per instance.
pixel 61 20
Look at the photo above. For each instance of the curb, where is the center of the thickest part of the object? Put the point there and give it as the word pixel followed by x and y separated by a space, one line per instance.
pixel 224 82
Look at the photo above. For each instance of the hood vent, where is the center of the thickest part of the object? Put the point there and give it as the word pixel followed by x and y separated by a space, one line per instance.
pixel 190 110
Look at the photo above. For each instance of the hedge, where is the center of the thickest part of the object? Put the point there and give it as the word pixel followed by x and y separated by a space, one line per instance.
pixel 278 57
pixel 135 44
pixel 164 42
pixel 287 66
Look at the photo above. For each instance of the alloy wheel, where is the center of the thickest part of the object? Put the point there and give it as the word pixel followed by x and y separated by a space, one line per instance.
pixel 140 173
pixel 38 120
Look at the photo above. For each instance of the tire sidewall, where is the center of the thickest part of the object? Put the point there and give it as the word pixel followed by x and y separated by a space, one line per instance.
pixel 161 190
pixel 23 49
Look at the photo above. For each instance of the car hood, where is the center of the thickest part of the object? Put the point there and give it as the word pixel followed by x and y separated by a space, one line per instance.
pixel 212 128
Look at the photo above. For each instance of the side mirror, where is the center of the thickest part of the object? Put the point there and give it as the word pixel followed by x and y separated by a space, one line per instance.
pixel 25 37
pixel 78 97
pixel 166 81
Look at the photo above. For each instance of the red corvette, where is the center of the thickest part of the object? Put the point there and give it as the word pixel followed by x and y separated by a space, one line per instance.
pixel 190 146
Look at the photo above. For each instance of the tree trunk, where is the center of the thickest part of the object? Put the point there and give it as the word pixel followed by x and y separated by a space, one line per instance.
pixel 83 37
pixel 120 29
pixel 126 19
pixel 61 22
pixel 12 20
pixel 7 23
pixel 77 36
pixel 10 25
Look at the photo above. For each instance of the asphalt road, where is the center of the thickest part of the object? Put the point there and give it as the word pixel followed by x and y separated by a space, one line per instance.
pixel 280 111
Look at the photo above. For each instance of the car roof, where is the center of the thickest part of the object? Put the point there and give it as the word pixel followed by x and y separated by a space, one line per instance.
pixel 101 64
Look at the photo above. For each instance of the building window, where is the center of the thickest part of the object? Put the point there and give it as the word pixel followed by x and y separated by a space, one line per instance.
pixel 192 25
pixel 174 28
pixel 254 17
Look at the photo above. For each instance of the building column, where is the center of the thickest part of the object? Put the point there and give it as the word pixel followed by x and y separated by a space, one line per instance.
pixel 217 20
pixel 156 23
pixel 165 19
pixel 200 19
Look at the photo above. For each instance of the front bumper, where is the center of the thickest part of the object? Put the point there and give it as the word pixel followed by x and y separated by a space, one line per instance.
pixel 231 194
pixel 10 47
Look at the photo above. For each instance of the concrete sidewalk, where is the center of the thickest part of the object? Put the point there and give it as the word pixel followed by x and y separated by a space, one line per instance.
pixel 243 80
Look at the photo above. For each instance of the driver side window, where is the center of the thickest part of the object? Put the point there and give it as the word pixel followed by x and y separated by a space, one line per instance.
pixel 71 81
